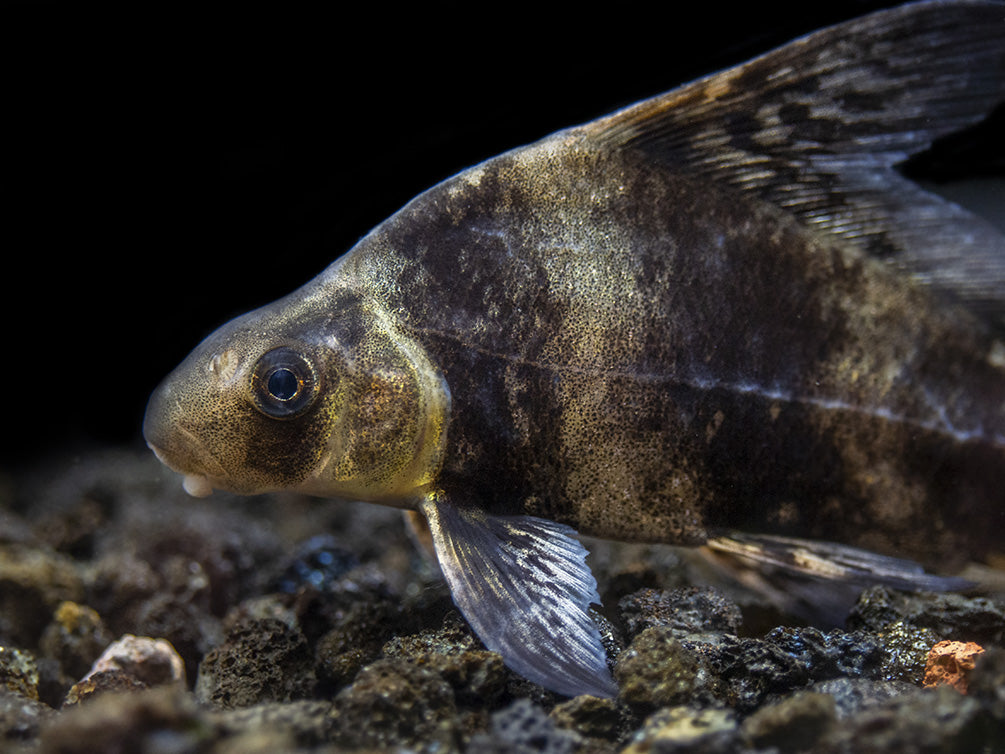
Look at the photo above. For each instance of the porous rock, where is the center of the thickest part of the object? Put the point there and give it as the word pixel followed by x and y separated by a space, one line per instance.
pixel 831 654
pixel 796 723
pixel 950 663
pixel 905 651
pixel 854 695
pixel 165 718
pixel 925 720
pixel 656 670
pixel 360 630
pixel 395 703
pixel 524 728
pixel 987 683
pixel 949 615
pixel 301 723
pixel 76 637
pixel 261 660
pixel 684 730
pixel 21 719
pixel 591 717
pixel 687 610
pixel 19 672
pixel 476 675
pixel 744 672
pixel 33 583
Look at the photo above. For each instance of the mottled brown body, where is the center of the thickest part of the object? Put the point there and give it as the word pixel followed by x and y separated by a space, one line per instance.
pixel 719 309
pixel 670 358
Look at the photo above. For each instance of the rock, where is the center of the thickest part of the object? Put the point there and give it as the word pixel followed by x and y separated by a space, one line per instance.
pixel 834 654
pixel 950 663
pixel 656 670
pixel 689 610
pixel 949 615
pixel 160 719
pixel 744 672
pixel 683 730
pixel 151 661
pixel 395 703
pixel 299 723
pixel 261 660
pixel 853 695
pixel 591 717
pixel 210 556
pixel 192 631
pixel 524 728
pixel 74 527
pixel 130 664
pixel 987 683
pixel 905 652
pixel 21 719
pixel 395 674
pixel 135 598
pixel 13 528
pixel 318 563
pixel 76 637
pixel 33 583
pixel 796 723
pixel 476 675
pixel 610 637
pixel 19 672
pixel 925 720
pixel 360 631
pixel 108 681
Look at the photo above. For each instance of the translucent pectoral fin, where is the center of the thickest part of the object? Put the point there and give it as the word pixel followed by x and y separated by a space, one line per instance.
pixel 524 586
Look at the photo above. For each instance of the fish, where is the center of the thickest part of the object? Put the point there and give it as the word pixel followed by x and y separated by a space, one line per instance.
pixel 721 316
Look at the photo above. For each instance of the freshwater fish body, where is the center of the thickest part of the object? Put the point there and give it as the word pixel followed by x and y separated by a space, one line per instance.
pixel 720 309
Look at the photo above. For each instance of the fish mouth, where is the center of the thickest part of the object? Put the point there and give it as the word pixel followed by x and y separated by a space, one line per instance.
pixel 179 448
pixel 196 485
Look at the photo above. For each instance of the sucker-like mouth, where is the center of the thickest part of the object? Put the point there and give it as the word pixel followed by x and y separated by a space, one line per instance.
pixel 195 485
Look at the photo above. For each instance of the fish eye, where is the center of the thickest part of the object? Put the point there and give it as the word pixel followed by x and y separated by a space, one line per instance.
pixel 283 383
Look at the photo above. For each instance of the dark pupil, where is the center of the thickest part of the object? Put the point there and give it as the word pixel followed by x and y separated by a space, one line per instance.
pixel 283 384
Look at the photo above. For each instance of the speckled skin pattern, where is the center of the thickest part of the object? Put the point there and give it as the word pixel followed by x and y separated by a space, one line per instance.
pixel 668 358
pixel 663 323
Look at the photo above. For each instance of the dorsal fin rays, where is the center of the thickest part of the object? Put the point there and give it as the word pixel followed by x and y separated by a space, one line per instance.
pixel 817 127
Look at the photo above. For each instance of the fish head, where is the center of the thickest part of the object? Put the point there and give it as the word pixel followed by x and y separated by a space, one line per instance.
pixel 319 392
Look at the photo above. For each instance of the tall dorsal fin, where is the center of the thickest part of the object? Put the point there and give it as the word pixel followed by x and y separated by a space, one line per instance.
pixel 817 126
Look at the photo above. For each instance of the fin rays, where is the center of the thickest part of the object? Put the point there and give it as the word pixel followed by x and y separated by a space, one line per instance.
pixel 525 588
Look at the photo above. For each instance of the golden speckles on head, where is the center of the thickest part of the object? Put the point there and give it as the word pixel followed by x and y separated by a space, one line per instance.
pixel 224 365
pixel 471 178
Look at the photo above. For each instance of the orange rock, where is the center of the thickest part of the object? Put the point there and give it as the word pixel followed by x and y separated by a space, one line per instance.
pixel 950 663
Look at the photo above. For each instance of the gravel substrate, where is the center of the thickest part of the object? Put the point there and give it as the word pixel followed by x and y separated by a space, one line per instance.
pixel 295 625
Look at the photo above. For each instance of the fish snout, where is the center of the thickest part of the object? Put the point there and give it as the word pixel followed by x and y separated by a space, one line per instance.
pixel 176 447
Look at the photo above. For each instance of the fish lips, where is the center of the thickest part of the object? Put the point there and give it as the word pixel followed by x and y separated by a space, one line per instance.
pixel 178 448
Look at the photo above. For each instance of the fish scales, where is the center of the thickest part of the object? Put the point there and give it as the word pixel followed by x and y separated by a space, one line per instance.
pixel 718 316
pixel 584 384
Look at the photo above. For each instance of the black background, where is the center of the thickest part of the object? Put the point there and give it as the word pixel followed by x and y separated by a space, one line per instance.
pixel 165 170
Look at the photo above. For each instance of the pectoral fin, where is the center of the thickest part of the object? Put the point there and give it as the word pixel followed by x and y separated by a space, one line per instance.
pixel 524 586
